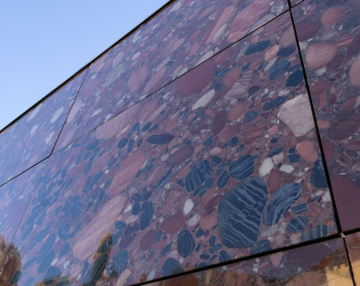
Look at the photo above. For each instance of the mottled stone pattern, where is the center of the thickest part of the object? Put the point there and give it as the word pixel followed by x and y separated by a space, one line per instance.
pixel 319 264
pixel 179 38
pixel 200 172
pixel 353 245
pixel 329 37
pixel 32 138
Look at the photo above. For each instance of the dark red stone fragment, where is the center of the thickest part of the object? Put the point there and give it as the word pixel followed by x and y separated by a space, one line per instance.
pixel 306 30
pixel 312 257
pixel 347 199
pixel 180 155
pixel 147 240
pixel 344 127
pixel 173 223
pixel 219 121
pixel 195 80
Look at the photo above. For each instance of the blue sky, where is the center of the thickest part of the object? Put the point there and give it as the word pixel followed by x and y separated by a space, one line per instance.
pixel 43 43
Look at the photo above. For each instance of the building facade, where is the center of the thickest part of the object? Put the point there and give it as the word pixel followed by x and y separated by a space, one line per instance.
pixel 216 144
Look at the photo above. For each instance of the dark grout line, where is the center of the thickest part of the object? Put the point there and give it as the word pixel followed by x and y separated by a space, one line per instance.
pixel 352 231
pixel 48 156
pixel 336 216
pixel 32 195
pixel 52 151
pixel 103 124
pixel 293 6
pixel 349 261
pixel 246 258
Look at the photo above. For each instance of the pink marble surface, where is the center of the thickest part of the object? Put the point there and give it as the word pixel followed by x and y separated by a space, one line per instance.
pixel 176 40
pixel 151 192
pixel 32 138
pixel 329 35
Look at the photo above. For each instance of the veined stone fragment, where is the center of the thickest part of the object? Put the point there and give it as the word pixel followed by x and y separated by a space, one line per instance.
pixel 240 212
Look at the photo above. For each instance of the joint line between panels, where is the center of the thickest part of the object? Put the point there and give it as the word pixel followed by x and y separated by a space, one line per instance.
pixel 57 139
pixel 348 232
pixel 349 261
pixel 293 6
pixel 336 216
pixel 32 196
pixel 103 124
pixel 25 171
pixel 247 258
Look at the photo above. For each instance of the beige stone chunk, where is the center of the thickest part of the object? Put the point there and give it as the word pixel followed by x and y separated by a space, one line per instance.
pixel 320 54
pixel 296 114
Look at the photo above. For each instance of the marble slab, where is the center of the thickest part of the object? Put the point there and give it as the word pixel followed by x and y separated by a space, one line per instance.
pixel 176 40
pixel 353 246
pixel 329 35
pixel 32 138
pixel 220 164
pixel 318 264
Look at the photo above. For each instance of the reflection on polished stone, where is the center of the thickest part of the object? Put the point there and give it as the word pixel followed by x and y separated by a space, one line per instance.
pixel 199 173
pixel 318 264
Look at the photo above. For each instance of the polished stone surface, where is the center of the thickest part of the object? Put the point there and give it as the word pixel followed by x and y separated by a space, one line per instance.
pixel 32 138
pixel 220 164
pixel 176 40
pixel 318 264
pixel 329 37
